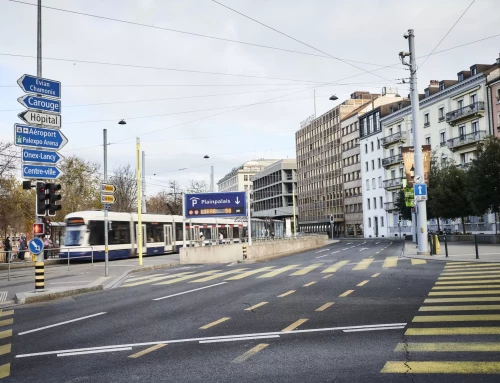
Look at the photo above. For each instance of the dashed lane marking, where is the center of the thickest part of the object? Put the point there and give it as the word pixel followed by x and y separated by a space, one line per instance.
pixel 335 267
pixel 215 276
pixel 456 318
pixel 363 283
pixel 477 292
pixel 250 353
pixel 309 284
pixel 327 276
pixel 189 291
pixel 147 350
pixel 442 367
pixel 278 271
pixel 363 265
pixel 256 306
pixel 453 331
pixel 248 273
pixel 215 323
pixel 390 262
pixel 324 307
pixel 346 293
pixel 375 275
pixel 307 269
pixel 466 299
pixel 285 294
pixel 294 325
pixel 460 308
pixel 418 261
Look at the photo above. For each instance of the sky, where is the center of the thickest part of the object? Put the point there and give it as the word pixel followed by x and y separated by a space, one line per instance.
pixel 253 99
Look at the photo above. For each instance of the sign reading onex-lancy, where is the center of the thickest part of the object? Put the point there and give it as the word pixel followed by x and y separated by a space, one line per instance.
pixel 231 204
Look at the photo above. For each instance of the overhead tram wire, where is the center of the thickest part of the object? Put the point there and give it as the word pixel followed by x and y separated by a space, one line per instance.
pixel 184 32
pixel 447 33
pixel 294 39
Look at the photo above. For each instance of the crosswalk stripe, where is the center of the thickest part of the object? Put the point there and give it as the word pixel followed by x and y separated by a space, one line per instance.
pixel 207 326
pixel 363 283
pixel 456 318
pixel 468 282
pixel 6 313
pixel 146 277
pixel 442 367
pixel 460 308
pixel 5 334
pixel 294 325
pixel 4 370
pixel 448 347
pixel 466 287
pixel 255 306
pixel 418 261
pixel 471 265
pixel 390 262
pixel 6 322
pixel 278 271
pixel 478 292
pixel 470 269
pixel 482 272
pixel 324 307
pixel 469 277
pixel 363 265
pixel 453 331
pixel 466 299
pixel 5 349
pixel 335 267
pixel 307 269
pixel 187 277
pixel 248 273
pixel 155 279
pixel 215 276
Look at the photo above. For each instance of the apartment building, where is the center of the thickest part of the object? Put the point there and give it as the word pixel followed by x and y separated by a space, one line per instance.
pixel 239 179
pixel 493 94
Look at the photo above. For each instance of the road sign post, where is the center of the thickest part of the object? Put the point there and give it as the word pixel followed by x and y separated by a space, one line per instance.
pixel 420 192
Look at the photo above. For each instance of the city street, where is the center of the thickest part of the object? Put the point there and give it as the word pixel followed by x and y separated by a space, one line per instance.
pixel 346 312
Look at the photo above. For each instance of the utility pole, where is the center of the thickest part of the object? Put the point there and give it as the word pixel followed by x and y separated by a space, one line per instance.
pixel 140 239
pixel 40 257
pixel 249 220
pixel 106 241
pixel 293 209
pixel 143 182
pixel 421 207
pixel 212 186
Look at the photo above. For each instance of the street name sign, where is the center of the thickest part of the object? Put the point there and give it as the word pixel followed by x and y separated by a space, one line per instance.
pixel 108 188
pixel 40 172
pixel 48 120
pixel 32 137
pixel 420 192
pixel 108 198
pixel 35 246
pixel 38 85
pixel 41 156
pixel 46 104
pixel 229 204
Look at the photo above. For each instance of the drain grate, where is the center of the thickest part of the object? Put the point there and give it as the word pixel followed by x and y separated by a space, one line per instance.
pixel 3 296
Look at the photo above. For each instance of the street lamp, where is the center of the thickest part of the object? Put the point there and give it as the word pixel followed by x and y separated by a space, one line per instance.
pixel 122 122
pixel 211 175
pixel 333 98
pixel 412 172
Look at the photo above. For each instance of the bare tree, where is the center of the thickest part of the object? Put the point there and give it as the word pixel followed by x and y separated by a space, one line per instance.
pixel 9 158
pixel 126 189
pixel 197 187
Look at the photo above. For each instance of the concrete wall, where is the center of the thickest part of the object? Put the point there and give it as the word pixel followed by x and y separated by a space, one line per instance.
pixel 272 248
pixel 211 254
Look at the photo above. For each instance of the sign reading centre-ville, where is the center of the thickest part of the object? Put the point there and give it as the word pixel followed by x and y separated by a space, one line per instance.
pixel 230 204
pixel 41 138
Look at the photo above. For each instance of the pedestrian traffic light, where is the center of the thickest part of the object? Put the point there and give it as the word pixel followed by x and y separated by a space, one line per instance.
pixel 42 205
pixel 38 229
pixel 53 198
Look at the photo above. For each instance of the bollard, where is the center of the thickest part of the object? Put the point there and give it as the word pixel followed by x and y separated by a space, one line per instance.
pixel 244 247
pixel 475 243
pixel 39 276
pixel 8 260
pixel 446 245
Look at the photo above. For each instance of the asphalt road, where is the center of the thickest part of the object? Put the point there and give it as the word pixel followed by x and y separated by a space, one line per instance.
pixel 346 313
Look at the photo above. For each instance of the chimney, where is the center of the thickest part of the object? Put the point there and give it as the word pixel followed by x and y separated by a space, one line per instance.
pixel 434 84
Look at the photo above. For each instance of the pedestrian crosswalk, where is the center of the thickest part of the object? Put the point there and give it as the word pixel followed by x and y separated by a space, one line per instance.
pixel 439 338
pixel 291 270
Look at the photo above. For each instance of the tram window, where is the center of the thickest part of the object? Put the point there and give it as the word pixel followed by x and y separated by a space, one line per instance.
pixel 178 231
pixel 119 233
pixel 223 230
pixel 154 232
pixel 206 232
pixel 236 232
pixel 96 229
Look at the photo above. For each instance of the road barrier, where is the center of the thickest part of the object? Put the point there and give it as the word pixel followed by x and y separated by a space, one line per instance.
pixel 39 277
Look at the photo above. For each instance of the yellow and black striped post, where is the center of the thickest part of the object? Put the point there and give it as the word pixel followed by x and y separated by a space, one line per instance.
pixel 39 276
pixel 244 247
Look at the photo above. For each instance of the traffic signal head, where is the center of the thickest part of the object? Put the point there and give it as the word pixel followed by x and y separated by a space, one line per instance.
pixel 42 204
pixel 46 222
pixel 53 198
pixel 38 229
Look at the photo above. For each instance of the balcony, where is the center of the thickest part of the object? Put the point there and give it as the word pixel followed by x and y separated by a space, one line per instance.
pixel 390 206
pixel 393 183
pixel 455 116
pixel 396 137
pixel 398 158
pixel 466 139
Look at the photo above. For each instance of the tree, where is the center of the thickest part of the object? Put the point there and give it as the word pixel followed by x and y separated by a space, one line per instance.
pixel 17 206
pixel 9 159
pixel 404 211
pixel 197 187
pixel 434 195
pixel 125 182
pixel 166 202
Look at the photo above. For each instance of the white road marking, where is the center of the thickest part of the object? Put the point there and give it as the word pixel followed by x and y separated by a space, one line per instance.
pixel 335 252
pixel 189 291
pixel 345 248
pixel 376 243
pixel 321 256
pixel 375 329
pixel 60 324
pixel 363 248
pixel 238 339
pixel 95 351
pixel 320 251
pixel 349 243
pixel 374 326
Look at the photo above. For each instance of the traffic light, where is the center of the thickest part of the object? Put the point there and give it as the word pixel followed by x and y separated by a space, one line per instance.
pixel 38 229
pixel 46 222
pixel 42 205
pixel 53 198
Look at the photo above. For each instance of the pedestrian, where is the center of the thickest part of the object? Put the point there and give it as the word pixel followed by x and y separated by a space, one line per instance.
pixel 7 248
pixel 22 247
pixel 47 244
pixel 221 237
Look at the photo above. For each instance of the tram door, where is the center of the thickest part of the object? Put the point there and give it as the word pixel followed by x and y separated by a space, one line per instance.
pixel 144 239
pixel 167 229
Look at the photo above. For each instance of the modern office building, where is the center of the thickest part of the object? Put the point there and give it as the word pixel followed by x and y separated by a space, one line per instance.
pixel 239 179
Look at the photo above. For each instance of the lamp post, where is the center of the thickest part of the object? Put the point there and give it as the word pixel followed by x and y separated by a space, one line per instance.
pixel 211 175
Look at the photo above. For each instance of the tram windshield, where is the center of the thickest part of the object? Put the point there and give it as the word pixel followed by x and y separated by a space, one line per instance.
pixel 73 236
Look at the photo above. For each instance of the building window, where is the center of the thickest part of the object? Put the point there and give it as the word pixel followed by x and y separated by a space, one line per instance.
pixel 366 148
pixel 378 144
pixel 371 144
pixel 473 71
pixel 373 183
pixel 369 221
pixel 381 221
pixel 462 160
pixel 461 132
pixel 441 86
pixel 367 184
pixel 475 126
pixel 379 182
pixel 368 201
pixel 460 103
pixel 473 98
pixel 428 140
pixel 245 178
pixel 381 202
pixel 426 119
pixel 366 165
pixel 441 113
pixel 379 163
pixel 374 202
pixel 427 92
pixel 442 137
pixel 460 77
pixel 373 164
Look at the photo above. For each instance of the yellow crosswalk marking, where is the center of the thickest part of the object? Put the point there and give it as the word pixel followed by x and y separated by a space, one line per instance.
pixel 375 275
pixel 471 265
pixel 456 318
pixel 133 279
pixel 363 265
pixel 460 308
pixel 155 279
pixel 6 322
pixel 147 350
pixel 248 273
pixel 390 262
pixel 468 269
pixel 335 267
pixel 466 299
pixel 442 367
pixel 453 331
pixel 6 313
pixel 215 323
pixel 278 271
pixel 215 276
pixel 5 334
pixel 285 294
pixel 309 284
pixel 466 287
pixel 4 349
pixel 324 307
pixel 482 272
pixel 186 277
pixel 346 293
pixel 469 277
pixel 418 261
pixel 363 283
pixel 294 325
pixel 478 292
pixel 468 282
pixel 255 306
pixel 4 370
pixel 449 347
pixel 250 353
pixel 307 269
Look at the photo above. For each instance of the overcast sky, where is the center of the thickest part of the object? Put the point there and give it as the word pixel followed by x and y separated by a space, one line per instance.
pixel 367 31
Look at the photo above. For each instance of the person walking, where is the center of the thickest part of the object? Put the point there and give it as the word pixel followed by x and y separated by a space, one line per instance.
pixel 22 248
pixel 8 249
pixel 221 237
pixel 47 244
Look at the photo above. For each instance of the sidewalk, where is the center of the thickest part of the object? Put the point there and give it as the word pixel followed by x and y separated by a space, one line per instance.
pixel 457 252
pixel 81 277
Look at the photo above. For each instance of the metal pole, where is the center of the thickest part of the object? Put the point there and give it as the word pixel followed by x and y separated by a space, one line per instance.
pixel 423 246
pixel 314 92
pixel 212 186
pixel 446 246
pixel 249 220
pixel 475 244
pixel 39 257
pixel 183 221
pixel 106 241
pixel 143 182
pixel 140 240
pixel 293 210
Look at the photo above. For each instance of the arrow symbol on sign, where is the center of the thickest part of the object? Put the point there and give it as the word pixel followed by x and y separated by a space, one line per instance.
pixel 237 202
pixel 420 190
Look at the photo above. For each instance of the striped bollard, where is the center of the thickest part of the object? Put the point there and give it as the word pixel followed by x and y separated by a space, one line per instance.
pixel 39 276
pixel 244 251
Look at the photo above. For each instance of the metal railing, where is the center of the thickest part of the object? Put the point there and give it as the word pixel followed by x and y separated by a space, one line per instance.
pixel 392 160
pixel 393 138
pixel 393 182
pixel 467 139
pixel 390 206
pixel 465 111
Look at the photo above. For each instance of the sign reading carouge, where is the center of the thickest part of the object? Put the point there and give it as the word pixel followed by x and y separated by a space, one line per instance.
pixel 38 85
pixel 39 118
pixel 230 204
pixel 46 104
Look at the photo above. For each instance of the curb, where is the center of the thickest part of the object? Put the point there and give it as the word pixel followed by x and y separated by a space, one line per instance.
pixel 22 298
pixel 430 258
pixel 25 265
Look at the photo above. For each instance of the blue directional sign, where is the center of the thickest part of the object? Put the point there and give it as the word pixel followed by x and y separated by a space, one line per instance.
pixel 35 245
pixel 33 137
pixel 230 204
pixel 420 192
pixel 41 156
pixel 40 172
pixel 33 84
pixel 38 103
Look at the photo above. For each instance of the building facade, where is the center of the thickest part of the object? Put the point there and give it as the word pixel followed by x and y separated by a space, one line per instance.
pixel 493 94
pixel 239 179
